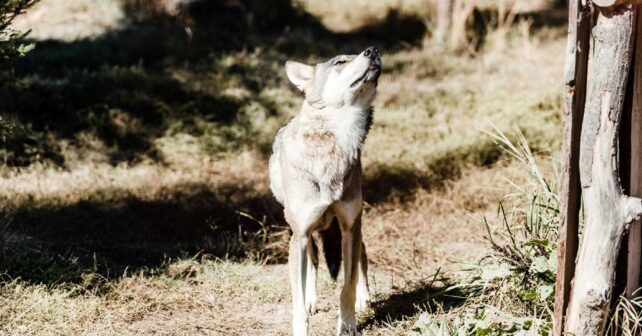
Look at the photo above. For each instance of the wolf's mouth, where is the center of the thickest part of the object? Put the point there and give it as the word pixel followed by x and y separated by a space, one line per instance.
pixel 371 74
pixel 362 77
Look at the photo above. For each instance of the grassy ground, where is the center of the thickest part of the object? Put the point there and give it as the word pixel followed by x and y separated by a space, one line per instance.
pixel 135 191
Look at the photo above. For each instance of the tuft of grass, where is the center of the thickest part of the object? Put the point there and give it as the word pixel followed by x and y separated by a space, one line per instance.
pixel 626 318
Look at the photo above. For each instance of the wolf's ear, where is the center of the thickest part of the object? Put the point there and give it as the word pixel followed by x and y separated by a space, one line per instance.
pixel 299 74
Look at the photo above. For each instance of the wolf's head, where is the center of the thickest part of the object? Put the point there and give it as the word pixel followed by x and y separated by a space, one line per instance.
pixel 343 80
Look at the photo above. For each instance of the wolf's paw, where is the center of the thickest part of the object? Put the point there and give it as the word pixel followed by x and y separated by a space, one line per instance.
pixel 300 327
pixel 362 303
pixel 363 299
pixel 311 305
pixel 347 328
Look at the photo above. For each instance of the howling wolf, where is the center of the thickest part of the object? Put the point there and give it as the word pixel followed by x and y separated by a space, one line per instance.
pixel 315 173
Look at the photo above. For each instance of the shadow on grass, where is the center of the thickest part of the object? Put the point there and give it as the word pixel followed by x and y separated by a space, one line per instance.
pixel 124 109
pixel 114 232
pixel 407 303
pixel 398 183
pixel 116 94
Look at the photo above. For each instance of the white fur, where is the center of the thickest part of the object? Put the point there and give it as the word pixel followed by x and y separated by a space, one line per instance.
pixel 299 74
pixel 337 90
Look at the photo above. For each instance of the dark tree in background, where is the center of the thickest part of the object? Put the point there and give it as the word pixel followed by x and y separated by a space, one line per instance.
pixel 12 45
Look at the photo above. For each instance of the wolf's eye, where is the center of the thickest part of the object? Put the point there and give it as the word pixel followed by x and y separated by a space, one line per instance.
pixel 339 62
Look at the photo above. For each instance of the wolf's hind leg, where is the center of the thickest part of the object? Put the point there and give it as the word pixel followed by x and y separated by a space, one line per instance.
pixel 311 278
pixel 363 293
pixel 297 263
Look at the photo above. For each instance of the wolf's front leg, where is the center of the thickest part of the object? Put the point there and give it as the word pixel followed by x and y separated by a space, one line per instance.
pixel 297 263
pixel 363 293
pixel 351 246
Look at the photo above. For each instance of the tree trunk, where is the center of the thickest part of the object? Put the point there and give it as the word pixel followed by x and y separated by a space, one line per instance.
pixel 608 211
pixel 462 12
pixel 577 50
pixel 444 16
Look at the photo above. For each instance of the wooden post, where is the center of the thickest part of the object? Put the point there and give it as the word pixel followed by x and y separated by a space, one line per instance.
pixel 577 50
pixel 635 232
pixel 608 211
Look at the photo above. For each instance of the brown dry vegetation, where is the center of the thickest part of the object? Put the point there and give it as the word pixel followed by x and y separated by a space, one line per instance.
pixel 180 235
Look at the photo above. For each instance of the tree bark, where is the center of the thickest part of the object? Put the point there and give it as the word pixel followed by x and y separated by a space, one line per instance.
pixel 577 50
pixel 608 211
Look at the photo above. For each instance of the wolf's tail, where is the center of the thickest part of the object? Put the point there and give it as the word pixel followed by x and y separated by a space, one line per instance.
pixel 331 238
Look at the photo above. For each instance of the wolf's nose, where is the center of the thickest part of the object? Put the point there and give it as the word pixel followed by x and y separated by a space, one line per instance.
pixel 371 52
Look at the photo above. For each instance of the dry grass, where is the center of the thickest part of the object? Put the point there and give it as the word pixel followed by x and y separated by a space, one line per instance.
pixel 72 20
pixel 194 244
pixel 407 244
pixel 190 297
pixel 335 15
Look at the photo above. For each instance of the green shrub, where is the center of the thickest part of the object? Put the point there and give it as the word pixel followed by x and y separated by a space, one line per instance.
pixel 12 46
pixel 12 43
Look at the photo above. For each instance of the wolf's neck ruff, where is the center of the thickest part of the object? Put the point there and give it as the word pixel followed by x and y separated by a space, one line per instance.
pixel 329 144
pixel 347 125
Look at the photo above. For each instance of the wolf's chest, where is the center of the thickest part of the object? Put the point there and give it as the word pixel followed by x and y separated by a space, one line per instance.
pixel 329 154
pixel 334 135
pixel 332 146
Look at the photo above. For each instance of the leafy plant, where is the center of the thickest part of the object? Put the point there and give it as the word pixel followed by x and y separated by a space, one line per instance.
pixel 510 291
pixel 12 46
pixel 12 43
pixel 517 278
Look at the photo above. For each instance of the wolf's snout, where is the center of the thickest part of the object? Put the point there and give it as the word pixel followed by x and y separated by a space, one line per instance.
pixel 371 52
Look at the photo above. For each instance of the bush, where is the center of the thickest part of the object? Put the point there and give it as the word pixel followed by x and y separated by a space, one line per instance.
pixel 12 43
pixel 12 46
